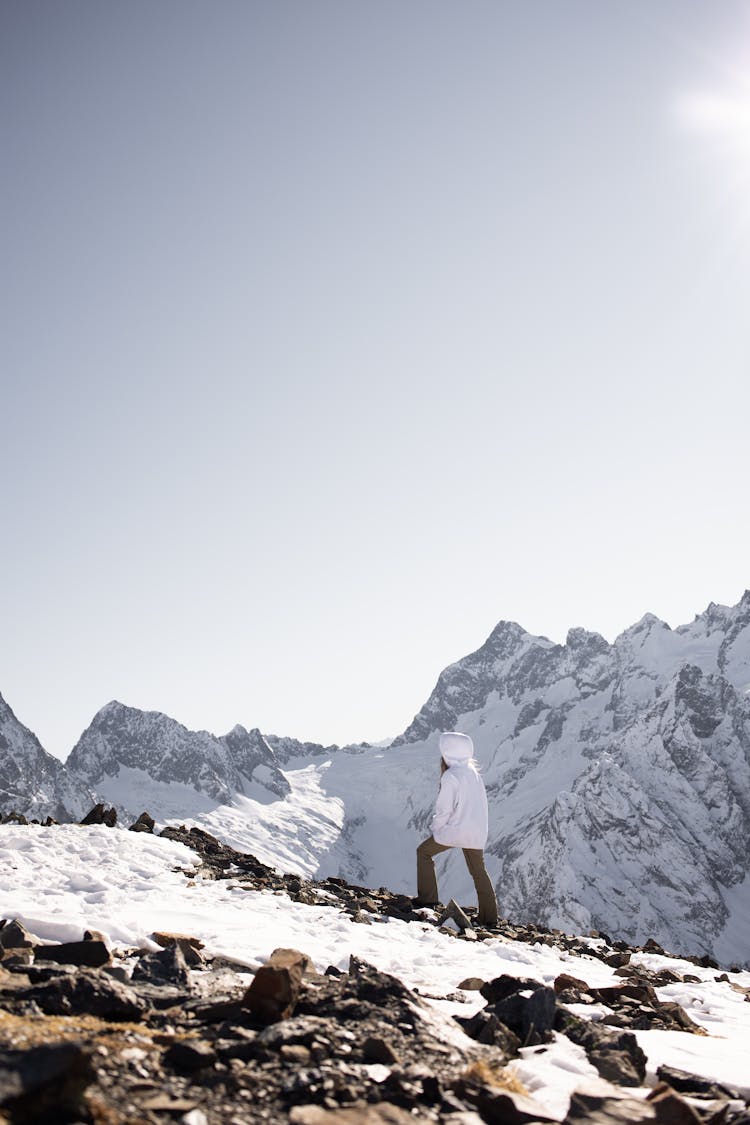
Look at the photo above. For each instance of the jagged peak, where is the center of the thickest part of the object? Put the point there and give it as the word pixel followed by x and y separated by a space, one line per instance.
pixel 579 637
pixel 646 624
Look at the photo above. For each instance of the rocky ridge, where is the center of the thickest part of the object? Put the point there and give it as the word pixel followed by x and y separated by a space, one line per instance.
pixel 136 1036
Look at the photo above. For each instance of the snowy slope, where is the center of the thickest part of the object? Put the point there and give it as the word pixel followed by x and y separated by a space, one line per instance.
pixel 61 881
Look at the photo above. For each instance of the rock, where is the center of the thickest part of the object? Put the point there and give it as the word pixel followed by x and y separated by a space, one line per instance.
pixel 566 983
pixel 275 988
pixel 594 1104
pixel 45 1083
pixel 166 967
pixel 144 823
pixel 615 1054
pixel 454 912
pixel 14 817
pixel 694 1085
pixel 485 1027
pixel 100 815
pixel 530 1017
pixel 190 947
pixel 86 992
pixel 471 984
pixel 15 936
pixel 189 1055
pixel 283 956
pixel 500 987
pixel 93 954
pixel 670 1108
pixel 498 1106
pixel 378 1050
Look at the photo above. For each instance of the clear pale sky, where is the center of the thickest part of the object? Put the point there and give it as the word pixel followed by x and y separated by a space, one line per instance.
pixel 334 332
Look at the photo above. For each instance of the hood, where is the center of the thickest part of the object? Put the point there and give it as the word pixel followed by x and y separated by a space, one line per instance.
pixel 456 749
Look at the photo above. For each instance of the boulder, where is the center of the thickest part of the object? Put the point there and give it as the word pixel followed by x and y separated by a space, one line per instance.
pixel 275 988
pixel 100 815
pixel 144 823
pixel 168 966
pixel 93 954
pixel 13 935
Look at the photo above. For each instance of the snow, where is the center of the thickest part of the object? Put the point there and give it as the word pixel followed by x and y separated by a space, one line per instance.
pixel 61 880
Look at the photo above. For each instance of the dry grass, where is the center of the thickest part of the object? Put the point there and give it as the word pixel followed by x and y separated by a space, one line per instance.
pixel 22 1032
pixel 502 1077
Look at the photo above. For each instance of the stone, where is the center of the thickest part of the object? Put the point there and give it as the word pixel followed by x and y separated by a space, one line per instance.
pixel 189 1055
pixel 13 935
pixel 377 1050
pixel 100 815
pixel 498 1106
pixel 86 992
pixel 530 1017
pixel 471 984
pixel 615 1054
pixel 144 823
pixel 694 1085
pixel 453 912
pixel 594 1105
pixel 500 987
pixel 275 988
pixel 485 1027
pixel 566 983
pixel 45 1083
pixel 93 954
pixel 168 966
pixel 670 1108
pixel 190 947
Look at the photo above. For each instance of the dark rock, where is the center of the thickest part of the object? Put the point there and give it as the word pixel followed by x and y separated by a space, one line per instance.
pixel 531 1018
pixel 592 1107
pixel 615 1054
pixel 670 1108
pixel 500 987
pixel 93 954
pixel 485 1027
pixel 144 823
pixel 694 1085
pixel 168 966
pixel 189 1055
pixel 100 815
pixel 566 983
pixel 377 1050
pixel 86 992
pixel 45 1083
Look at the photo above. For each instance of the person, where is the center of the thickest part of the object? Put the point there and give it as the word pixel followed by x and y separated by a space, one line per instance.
pixel 461 821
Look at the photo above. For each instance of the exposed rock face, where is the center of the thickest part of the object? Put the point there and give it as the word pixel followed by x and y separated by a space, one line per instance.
pixel 124 750
pixel 32 782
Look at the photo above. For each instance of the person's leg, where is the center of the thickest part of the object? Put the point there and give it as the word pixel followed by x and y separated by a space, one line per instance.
pixel 485 894
pixel 427 890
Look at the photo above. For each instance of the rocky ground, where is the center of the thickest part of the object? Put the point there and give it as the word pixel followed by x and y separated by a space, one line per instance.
pixel 144 1038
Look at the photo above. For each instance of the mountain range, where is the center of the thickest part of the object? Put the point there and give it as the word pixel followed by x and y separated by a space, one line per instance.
pixel 618 778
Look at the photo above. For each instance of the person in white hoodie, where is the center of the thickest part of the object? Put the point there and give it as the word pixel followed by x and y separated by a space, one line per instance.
pixel 460 821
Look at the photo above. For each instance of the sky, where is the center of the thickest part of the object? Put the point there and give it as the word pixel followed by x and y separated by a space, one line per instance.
pixel 333 333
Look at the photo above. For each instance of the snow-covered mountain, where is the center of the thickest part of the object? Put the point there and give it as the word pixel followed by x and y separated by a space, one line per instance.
pixel 32 782
pixel 130 757
pixel 618 777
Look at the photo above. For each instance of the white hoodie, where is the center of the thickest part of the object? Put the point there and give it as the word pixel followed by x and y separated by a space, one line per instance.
pixel 460 819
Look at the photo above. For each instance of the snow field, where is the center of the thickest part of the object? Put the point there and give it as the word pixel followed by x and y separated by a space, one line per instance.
pixel 62 880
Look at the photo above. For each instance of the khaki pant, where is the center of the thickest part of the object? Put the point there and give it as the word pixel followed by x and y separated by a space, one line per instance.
pixel 427 890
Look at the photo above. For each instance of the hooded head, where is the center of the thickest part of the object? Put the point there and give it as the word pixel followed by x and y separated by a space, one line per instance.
pixel 456 749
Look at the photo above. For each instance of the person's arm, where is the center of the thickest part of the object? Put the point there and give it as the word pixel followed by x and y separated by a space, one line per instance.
pixel 445 803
